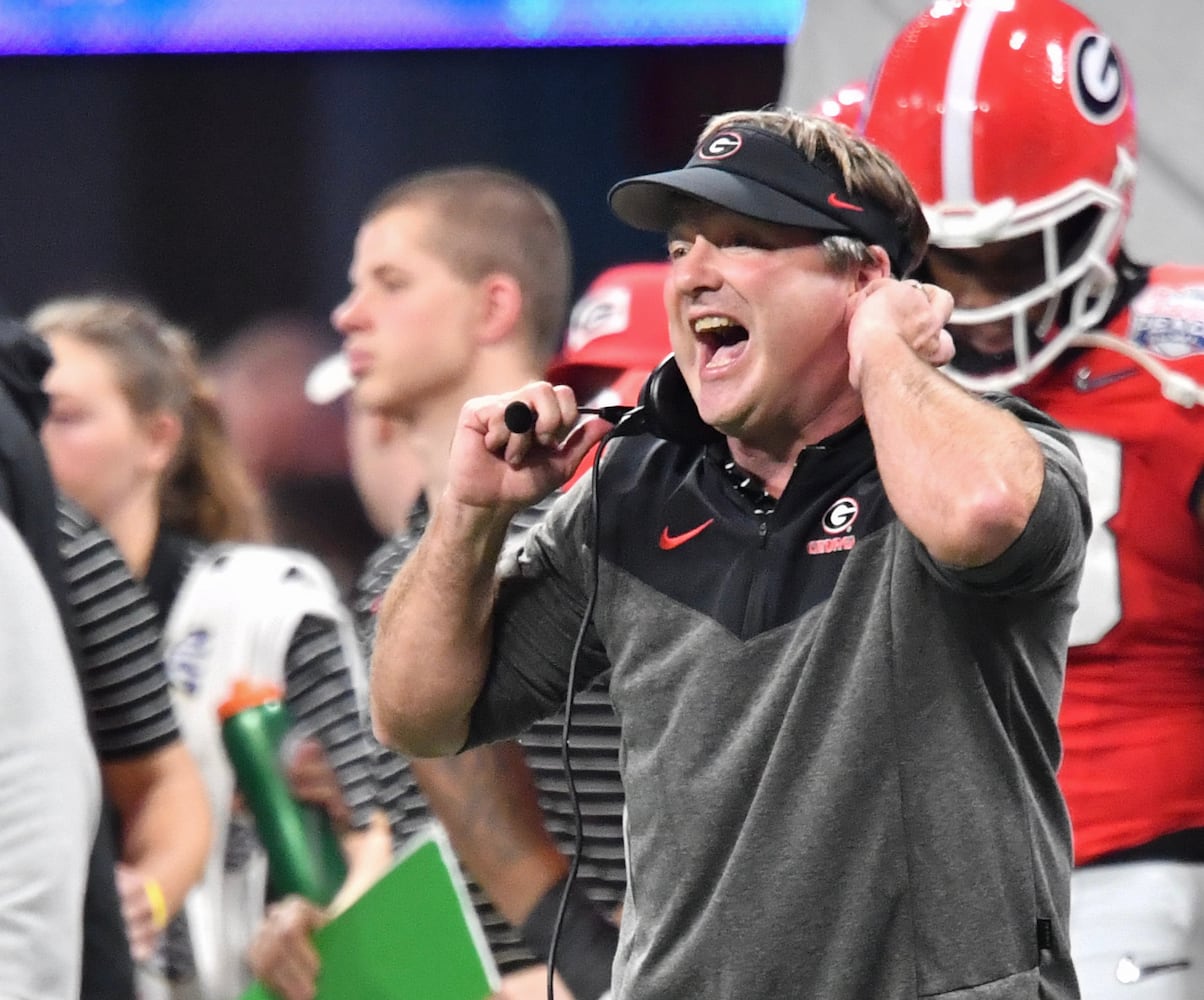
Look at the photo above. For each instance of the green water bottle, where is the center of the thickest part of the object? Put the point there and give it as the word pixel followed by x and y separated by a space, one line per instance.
pixel 301 844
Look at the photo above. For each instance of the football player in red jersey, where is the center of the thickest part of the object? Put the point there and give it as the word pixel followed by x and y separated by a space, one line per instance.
pixel 1014 119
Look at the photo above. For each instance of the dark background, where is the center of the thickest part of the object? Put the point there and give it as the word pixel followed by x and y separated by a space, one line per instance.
pixel 224 188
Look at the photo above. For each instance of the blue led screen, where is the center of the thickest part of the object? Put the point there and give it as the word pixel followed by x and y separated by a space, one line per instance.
pixel 54 27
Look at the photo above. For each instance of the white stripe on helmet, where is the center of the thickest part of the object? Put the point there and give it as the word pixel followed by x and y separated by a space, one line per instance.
pixel 961 103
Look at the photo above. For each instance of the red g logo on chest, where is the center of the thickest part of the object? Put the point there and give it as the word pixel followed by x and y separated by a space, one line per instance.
pixel 838 522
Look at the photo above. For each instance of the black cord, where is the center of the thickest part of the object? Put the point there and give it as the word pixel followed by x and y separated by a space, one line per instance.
pixel 586 618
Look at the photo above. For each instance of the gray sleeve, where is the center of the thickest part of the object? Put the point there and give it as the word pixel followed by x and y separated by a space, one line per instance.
pixel 542 602
pixel 1050 550
pixel 51 803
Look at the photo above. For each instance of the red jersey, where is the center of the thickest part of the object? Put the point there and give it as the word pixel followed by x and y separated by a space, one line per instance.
pixel 1132 717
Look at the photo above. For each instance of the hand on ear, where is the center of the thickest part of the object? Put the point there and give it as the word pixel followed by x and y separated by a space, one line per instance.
pixel 887 310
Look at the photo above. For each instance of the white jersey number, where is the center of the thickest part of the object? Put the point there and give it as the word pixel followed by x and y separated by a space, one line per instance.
pixel 1099 591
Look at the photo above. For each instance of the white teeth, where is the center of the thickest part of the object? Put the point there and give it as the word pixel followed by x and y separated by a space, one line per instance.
pixel 705 323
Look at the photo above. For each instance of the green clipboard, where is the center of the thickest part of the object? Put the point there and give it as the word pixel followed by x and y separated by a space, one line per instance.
pixel 413 935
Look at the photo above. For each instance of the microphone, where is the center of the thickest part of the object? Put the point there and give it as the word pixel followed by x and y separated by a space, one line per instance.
pixel 520 418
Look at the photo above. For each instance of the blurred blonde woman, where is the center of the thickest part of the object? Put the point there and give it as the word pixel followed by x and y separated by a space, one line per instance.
pixel 134 436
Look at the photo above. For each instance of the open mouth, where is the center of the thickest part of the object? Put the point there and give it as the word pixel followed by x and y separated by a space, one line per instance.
pixel 722 340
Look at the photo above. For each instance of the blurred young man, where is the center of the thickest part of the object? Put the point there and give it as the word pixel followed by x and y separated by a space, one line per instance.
pixel 460 282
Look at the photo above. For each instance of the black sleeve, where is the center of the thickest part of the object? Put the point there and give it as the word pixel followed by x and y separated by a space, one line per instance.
pixel 321 702
pixel 122 676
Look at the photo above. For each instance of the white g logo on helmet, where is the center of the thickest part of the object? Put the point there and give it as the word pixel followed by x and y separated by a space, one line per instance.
pixel 1096 81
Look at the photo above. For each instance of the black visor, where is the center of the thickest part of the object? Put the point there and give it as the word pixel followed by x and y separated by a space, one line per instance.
pixel 764 176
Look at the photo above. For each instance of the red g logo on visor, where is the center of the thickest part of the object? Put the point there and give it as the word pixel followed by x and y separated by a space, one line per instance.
pixel 720 146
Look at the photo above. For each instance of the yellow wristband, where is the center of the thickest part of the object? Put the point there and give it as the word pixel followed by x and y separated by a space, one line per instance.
pixel 158 905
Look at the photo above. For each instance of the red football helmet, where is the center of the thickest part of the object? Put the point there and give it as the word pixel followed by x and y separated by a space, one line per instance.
pixel 844 105
pixel 1012 117
pixel 618 333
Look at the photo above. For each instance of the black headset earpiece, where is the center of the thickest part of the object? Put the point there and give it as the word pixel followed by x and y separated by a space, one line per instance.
pixel 667 410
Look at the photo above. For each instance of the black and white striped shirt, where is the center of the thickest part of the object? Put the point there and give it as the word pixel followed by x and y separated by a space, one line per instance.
pixel 318 690
pixel 320 697
pixel 121 670
pixel 595 743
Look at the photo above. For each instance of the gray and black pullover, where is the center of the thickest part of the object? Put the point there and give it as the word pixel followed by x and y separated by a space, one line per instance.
pixel 839 756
